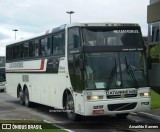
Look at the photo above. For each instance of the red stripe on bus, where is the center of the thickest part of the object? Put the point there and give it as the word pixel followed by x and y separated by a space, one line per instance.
pixel 42 64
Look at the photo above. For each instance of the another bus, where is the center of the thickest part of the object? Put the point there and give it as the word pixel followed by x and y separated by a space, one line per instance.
pixel 2 74
pixel 87 69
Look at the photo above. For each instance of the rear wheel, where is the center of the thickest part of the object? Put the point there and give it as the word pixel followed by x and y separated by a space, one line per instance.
pixel 21 96
pixel 26 98
pixel 122 116
pixel 70 110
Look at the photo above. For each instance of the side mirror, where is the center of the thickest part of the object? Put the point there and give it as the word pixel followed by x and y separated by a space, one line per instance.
pixel 149 62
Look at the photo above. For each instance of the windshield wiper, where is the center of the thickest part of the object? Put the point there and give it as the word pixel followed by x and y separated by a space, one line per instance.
pixel 129 69
pixel 113 72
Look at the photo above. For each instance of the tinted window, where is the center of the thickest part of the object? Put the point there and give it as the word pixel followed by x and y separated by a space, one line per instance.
pixel 24 50
pixel 16 51
pixel 101 36
pixel 36 48
pixel 154 33
pixel 9 53
pixel 45 48
pixel 74 38
pixel 58 43
pixel 2 61
pixel 32 49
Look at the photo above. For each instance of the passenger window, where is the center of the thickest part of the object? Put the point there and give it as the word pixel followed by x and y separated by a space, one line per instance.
pixel 16 51
pixel 58 43
pixel 9 52
pixel 31 49
pixel 45 48
pixel 74 38
pixel 24 50
pixel 36 48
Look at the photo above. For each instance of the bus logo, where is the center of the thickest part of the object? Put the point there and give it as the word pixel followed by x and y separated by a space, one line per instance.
pixel 6 126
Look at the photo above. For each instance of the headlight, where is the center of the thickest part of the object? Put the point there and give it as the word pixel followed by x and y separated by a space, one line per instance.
pixel 94 97
pixel 146 94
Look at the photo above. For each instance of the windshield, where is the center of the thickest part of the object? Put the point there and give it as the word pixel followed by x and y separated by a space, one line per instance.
pixel 2 75
pixel 105 36
pixel 113 70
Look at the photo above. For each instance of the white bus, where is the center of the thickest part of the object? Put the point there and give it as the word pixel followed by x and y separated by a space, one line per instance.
pixel 2 74
pixel 88 69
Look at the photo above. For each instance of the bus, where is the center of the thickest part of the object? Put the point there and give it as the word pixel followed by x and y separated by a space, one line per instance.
pixel 85 69
pixel 2 74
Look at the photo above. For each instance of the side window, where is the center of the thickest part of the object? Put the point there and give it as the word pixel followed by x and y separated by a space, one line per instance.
pixel 9 53
pixel 25 50
pixel 36 47
pixel 58 43
pixel 16 51
pixel 31 49
pixel 45 48
pixel 73 38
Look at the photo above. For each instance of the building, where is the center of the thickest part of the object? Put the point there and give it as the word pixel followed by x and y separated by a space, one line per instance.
pixel 153 20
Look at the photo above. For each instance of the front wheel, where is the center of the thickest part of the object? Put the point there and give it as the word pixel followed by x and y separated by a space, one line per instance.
pixel 70 110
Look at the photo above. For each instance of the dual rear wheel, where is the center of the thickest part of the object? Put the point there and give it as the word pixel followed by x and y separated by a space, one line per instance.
pixel 24 97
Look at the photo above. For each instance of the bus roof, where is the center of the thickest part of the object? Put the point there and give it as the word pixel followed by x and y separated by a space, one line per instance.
pixel 84 24
pixel 75 24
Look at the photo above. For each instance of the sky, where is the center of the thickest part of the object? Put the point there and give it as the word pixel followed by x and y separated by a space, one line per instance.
pixel 34 17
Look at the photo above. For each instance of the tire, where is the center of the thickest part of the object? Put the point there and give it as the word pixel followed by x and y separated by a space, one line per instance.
pixel 21 97
pixel 70 110
pixel 122 116
pixel 26 98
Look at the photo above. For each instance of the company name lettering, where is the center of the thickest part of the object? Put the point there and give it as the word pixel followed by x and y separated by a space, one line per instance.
pixel 120 92
pixel 16 65
pixel 126 31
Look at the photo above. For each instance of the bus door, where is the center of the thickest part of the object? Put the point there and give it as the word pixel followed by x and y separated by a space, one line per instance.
pixel 77 81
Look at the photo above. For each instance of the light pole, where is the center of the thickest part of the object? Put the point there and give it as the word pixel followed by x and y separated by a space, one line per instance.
pixel 70 13
pixel 15 30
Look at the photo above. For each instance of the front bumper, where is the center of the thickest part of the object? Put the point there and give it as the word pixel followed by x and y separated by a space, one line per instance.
pixel 119 106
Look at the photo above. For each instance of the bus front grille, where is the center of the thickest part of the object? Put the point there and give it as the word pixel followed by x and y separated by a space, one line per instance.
pixel 120 96
pixel 122 106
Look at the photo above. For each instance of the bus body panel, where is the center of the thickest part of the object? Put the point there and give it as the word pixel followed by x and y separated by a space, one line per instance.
pixel 79 103
pixel 44 88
